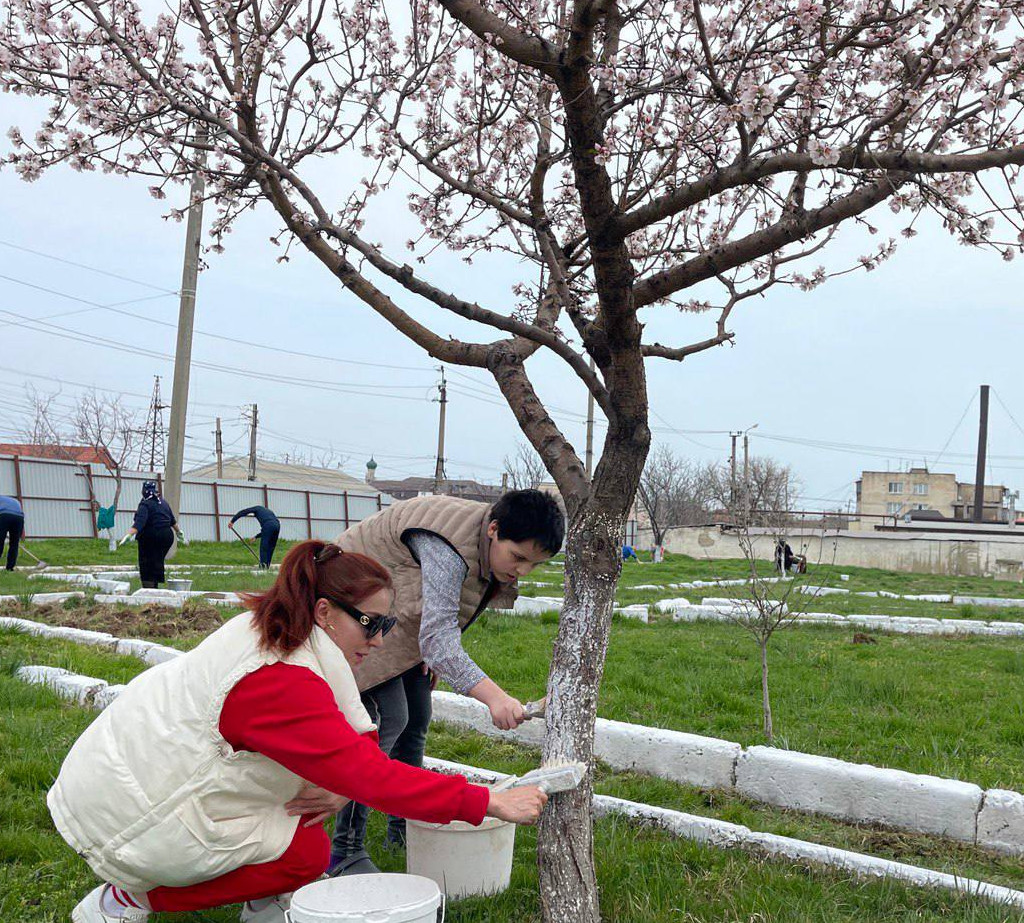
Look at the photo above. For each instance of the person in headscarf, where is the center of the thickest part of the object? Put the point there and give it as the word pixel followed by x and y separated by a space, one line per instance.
pixel 153 529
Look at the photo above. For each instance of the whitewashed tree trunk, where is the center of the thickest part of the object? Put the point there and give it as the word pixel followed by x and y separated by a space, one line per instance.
pixel 592 563
pixel 766 702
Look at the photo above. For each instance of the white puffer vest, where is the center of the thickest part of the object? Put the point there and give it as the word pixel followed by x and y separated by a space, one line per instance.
pixel 152 795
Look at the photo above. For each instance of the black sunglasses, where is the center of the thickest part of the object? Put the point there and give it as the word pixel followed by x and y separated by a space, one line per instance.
pixel 372 624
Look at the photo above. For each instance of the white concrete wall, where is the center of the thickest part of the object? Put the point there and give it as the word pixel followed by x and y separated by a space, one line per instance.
pixel 916 552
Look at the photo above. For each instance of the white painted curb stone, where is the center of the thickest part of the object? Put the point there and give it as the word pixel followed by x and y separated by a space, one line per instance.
pixel 858 792
pixel 639 612
pixel 135 600
pixel 79 689
pixel 722 834
pixel 535 605
pixel 1001 821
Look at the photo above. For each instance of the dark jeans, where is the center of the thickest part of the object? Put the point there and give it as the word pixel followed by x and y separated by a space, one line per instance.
pixel 401 709
pixel 153 547
pixel 11 528
pixel 268 542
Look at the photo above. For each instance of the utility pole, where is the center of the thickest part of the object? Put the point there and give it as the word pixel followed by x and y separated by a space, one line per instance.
pixel 253 421
pixel 186 320
pixel 219 436
pixel 746 473
pixel 979 473
pixel 746 478
pixel 590 428
pixel 439 467
pixel 732 473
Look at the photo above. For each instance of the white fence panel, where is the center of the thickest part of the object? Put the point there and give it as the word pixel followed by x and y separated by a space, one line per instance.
pixel 56 498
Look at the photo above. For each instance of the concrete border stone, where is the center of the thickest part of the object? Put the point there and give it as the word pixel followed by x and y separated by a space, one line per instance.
pixel 1001 821
pixel 79 689
pixel 724 835
pixel 858 792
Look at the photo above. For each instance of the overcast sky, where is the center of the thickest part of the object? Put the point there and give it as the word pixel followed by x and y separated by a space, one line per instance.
pixel 882 366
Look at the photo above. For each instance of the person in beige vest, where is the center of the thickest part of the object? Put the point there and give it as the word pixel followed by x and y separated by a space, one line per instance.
pixel 207 781
pixel 449 559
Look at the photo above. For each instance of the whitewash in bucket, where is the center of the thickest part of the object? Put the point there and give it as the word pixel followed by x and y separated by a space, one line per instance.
pixel 367 899
pixel 464 860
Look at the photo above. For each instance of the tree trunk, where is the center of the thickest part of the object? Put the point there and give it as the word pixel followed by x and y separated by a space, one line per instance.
pixel 766 704
pixel 565 853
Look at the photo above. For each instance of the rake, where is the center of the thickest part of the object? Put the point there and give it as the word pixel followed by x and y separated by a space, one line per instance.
pixel 40 564
pixel 244 542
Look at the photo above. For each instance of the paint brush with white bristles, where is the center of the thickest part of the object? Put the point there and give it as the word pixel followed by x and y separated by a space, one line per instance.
pixel 536 709
pixel 555 777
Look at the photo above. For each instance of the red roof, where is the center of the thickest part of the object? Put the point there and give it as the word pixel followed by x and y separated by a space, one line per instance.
pixel 84 454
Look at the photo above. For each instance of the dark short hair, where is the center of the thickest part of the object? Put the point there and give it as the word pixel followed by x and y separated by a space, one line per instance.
pixel 530 515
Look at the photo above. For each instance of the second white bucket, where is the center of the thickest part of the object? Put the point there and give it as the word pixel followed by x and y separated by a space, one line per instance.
pixel 464 860
pixel 366 899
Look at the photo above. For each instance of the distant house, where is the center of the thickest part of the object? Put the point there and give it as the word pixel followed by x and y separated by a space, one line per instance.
pixel 82 454
pixel 410 487
pixel 281 474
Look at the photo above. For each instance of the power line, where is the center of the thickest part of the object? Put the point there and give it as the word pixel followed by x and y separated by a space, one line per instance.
pixel 102 272
pixel 107 343
pixel 92 304
pixel 114 308
pixel 956 428
pixel 78 384
pixel 1007 409
pixel 873 450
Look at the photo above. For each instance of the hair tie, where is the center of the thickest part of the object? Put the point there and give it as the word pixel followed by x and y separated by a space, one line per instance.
pixel 330 550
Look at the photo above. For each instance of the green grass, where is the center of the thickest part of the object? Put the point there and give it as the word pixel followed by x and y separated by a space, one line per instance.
pixel 683 569
pixel 945 706
pixel 646 876
pixel 74 552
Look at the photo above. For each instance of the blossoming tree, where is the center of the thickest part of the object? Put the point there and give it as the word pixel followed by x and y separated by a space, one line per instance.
pixel 628 156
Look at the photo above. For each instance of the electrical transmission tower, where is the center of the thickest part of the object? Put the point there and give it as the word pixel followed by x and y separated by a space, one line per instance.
pixel 154 436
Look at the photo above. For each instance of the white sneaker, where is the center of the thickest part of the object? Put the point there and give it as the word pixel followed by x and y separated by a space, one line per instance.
pixel 90 910
pixel 271 913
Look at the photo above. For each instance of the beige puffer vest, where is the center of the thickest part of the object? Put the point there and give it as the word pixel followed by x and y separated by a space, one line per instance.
pixel 152 795
pixel 461 523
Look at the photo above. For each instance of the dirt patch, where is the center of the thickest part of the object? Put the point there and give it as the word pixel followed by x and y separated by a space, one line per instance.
pixel 130 622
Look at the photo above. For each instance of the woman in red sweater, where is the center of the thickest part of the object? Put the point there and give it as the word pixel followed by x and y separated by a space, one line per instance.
pixel 290 714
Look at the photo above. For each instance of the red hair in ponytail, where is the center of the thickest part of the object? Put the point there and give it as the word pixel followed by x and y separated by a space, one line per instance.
pixel 284 614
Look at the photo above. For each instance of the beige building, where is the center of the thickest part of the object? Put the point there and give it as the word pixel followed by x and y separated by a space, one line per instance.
pixel 897 494
pixel 999 503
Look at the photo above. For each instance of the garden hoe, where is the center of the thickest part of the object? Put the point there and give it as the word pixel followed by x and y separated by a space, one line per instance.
pixel 244 542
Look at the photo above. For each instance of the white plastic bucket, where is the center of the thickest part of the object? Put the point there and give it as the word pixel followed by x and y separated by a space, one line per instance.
pixel 464 860
pixel 179 585
pixel 366 899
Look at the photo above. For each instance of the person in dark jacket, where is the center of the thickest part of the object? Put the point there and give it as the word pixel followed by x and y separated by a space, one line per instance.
pixel 270 529
pixel 786 560
pixel 12 527
pixel 153 529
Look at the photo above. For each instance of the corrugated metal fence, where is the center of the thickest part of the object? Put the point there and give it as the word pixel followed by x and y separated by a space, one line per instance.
pixel 55 495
